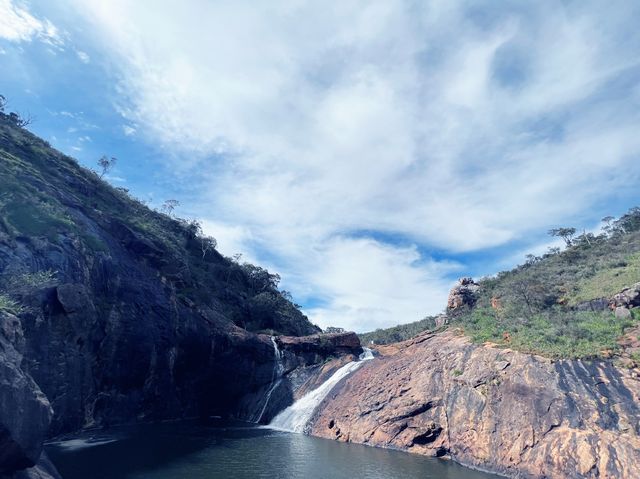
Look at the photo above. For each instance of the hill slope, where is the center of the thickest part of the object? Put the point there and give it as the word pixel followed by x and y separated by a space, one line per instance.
pixel 111 312
pixel 557 304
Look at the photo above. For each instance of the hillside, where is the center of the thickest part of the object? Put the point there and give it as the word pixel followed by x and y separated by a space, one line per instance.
pixel 113 313
pixel 398 333
pixel 47 200
pixel 557 304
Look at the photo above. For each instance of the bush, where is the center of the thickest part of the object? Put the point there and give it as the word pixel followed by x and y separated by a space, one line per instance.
pixel 8 305
pixel 555 333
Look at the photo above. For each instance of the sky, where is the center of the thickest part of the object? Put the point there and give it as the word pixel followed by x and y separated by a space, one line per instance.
pixel 369 152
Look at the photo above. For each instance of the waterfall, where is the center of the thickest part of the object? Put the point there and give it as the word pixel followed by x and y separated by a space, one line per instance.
pixel 276 377
pixel 296 416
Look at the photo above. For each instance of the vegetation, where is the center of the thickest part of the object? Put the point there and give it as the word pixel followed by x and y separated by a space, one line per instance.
pixel 106 164
pixel 556 333
pixel 554 304
pixel 8 305
pixel 398 333
pixel 47 198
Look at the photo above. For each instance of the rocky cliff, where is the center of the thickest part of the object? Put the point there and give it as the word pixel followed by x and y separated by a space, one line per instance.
pixel 492 408
pixel 112 312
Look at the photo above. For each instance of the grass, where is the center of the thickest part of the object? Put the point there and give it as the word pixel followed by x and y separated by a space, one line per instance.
pixel 41 220
pixel 555 334
pixel 94 243
pixel 607 282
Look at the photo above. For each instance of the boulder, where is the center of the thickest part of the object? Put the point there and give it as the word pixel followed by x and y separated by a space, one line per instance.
pixel 622 313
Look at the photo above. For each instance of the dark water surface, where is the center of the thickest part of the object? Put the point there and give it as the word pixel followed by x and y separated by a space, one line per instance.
pixel 236 451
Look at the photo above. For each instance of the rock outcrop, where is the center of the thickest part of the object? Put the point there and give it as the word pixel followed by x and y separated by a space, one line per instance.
pixel 625 300
pixel 509 412
pixel 463 295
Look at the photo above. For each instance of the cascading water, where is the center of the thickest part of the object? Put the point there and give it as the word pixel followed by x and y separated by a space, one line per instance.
pixel 276 378
pixel 296 416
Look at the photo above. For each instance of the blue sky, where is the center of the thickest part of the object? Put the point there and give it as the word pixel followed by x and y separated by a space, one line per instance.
pixel 369 152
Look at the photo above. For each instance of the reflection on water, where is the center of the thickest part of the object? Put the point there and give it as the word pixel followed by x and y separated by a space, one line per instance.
pixel 224 450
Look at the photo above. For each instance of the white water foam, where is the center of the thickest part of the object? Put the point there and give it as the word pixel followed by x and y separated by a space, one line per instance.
pixel 296 416
pixel 76 444
pixel 276 378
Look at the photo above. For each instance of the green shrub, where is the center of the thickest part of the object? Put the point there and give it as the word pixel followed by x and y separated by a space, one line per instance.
pixel 398 333
pixel 29 280
pixel 8 305
pixel 556 333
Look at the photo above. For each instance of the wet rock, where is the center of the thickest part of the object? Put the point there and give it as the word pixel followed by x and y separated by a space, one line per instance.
pixel 513 413
pixel 44 469
pixel 307 362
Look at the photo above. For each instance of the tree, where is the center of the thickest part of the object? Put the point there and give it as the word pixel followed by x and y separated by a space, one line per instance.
pixel 207 243
pixel 106 164
pixel 629 222
pixel 20 120
pixel 608 224
pixel 3 103
pixel 169 205
pixel 566 234
pixel 532 259
pixel 260 278
pixel 529 292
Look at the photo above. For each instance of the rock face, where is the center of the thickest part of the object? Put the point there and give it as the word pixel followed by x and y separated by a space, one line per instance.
pixel 25 412
pixel 304 367
pixel 497 409
pixel 316 347
pixel 464 294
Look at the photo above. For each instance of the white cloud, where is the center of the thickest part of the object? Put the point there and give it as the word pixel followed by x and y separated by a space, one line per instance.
pixel 232 239
pixel 128 130
pixel 353 275
pixel 17 24
pixel 84 57
pixel 447 126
